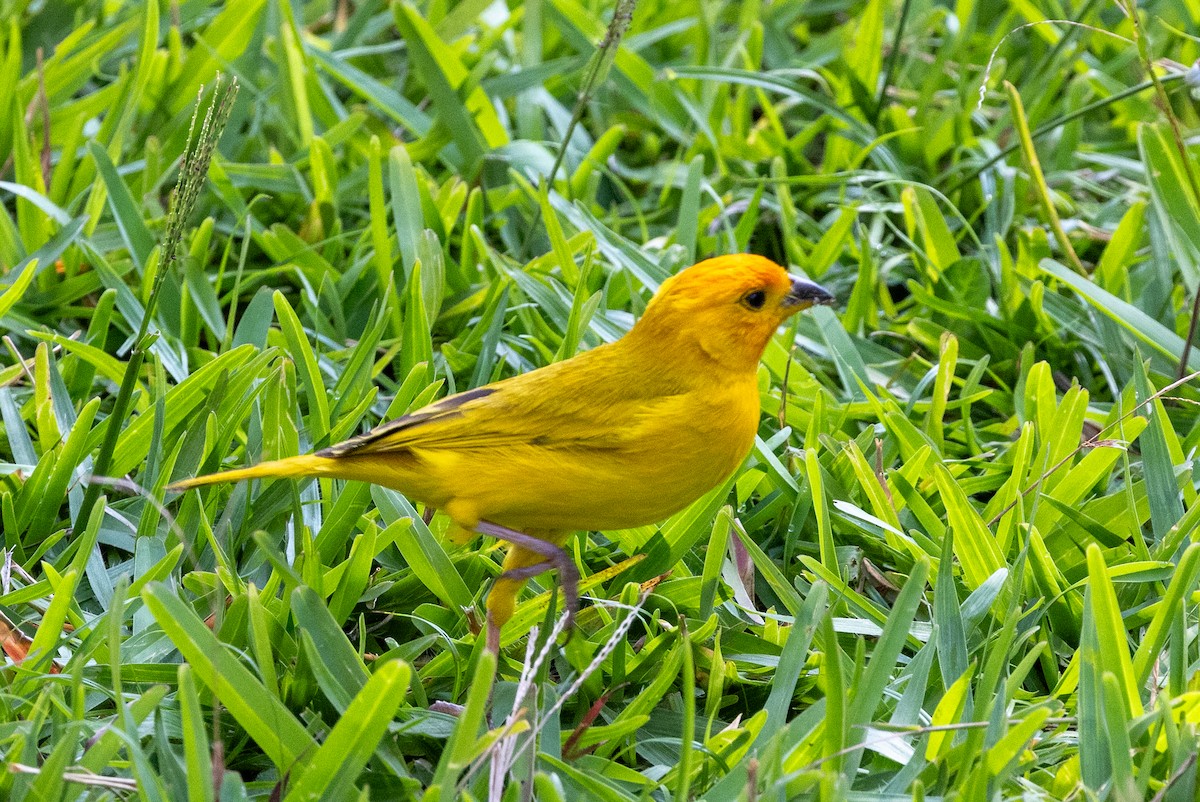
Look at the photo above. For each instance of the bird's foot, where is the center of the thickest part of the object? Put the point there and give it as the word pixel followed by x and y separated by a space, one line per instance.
pixel 556 558
pixel 570 585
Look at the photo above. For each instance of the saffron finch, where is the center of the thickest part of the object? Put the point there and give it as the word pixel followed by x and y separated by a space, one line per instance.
pixel 619 436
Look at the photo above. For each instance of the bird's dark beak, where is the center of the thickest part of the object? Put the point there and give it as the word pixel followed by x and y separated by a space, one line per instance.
pixel 805 293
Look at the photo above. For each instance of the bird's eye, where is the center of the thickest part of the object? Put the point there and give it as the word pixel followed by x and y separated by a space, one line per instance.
pixel 755 300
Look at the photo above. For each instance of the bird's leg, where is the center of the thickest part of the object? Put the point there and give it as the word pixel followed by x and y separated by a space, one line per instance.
pixel 521 564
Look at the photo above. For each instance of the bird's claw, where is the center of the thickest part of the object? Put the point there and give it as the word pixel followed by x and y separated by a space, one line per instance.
pixel 556 557
pixel 568 577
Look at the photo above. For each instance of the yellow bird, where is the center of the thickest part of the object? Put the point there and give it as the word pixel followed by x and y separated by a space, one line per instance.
pixel 620 436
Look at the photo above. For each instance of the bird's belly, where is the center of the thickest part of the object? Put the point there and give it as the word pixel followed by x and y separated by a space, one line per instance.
pixel 606 494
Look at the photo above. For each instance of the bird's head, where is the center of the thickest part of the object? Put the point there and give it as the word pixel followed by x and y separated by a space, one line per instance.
pixel 728 306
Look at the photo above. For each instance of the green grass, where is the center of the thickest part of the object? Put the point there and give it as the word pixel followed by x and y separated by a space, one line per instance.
pixel 959 563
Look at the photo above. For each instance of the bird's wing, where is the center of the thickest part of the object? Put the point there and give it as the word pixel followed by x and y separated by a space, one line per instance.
pixel 575 404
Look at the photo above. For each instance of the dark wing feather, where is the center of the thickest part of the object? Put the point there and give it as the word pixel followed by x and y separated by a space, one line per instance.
pixel 593 400
pixel 389 435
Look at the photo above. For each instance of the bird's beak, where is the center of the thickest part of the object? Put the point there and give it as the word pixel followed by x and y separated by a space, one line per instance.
pixel 805 293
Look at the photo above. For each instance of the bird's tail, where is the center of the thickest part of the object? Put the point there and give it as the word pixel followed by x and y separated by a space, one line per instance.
pixel 291 468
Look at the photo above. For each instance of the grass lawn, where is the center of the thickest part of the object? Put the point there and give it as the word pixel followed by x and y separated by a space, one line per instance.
pixel 959 563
